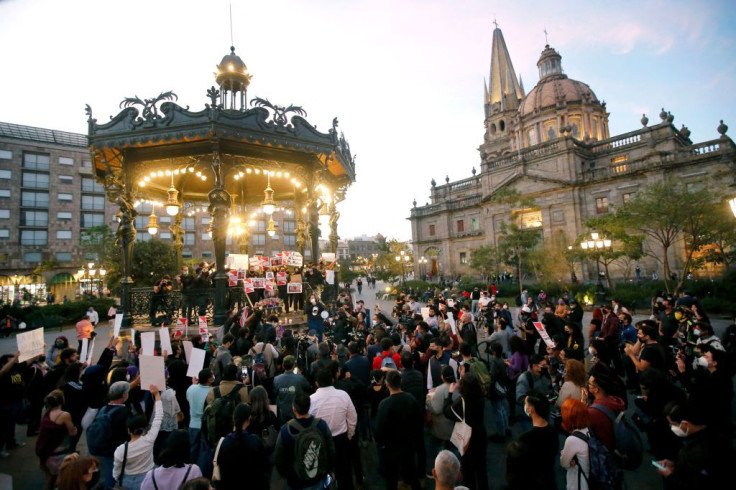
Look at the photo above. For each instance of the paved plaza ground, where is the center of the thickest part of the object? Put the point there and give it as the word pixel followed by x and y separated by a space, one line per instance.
pixel 21 469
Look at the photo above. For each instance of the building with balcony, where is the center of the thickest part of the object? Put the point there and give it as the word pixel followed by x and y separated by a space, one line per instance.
pixel 552 147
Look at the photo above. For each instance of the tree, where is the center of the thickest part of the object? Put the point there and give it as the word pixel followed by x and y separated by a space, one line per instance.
pixel 151 260
pixel 516 242
pixel 386 265
pixel 487 260
pixel 625 246
pixel 99 242
pixel 720 249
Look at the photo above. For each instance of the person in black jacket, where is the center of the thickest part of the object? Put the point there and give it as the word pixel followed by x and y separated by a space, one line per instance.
pixel 399 434
pixel 469 407
pixel 242 455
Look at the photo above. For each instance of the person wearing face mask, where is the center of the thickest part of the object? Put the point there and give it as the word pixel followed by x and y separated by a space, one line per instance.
pixel 533 379
pixel 647 352
pixel 600 386
pixel 78 473
pixel 710 385
pixel 541 438
pixel 704 333
pixel 656 392
pixel 706 455
pixel 314 311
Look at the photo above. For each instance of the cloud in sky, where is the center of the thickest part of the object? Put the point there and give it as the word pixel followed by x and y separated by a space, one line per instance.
pixel 404 77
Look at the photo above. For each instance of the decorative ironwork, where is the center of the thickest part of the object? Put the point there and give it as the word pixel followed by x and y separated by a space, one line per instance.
pixel 213 93
pixel 150 110
pixel 279 115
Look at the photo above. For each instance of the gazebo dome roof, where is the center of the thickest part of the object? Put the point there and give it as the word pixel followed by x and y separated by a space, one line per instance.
pixel 232 69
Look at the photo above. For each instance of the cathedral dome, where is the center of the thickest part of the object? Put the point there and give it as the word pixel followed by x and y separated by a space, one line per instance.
pixel 556 90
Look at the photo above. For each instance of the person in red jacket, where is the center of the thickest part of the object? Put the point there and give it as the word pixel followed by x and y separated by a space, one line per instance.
pixel 602 426
pixel 387 351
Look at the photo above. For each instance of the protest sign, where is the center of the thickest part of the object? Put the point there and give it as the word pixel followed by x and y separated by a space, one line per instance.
pixel 259 283
pixel 330 277
pixel 163 334
pixel 543 333
pixel 30 344
pixel 90 351
pixel 328 256
pixel 294 288
pixel 196 362
pixel 425 313
pixel 118 324
pixel 294 259
pixel 248 286
pixel 187 350
pixel 152 372
pixel 451 321
pixel 148 342
pixel 281 278
pixel 85 348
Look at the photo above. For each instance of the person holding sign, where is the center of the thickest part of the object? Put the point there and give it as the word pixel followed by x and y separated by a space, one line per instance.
pixel 84 330
pixel 134 459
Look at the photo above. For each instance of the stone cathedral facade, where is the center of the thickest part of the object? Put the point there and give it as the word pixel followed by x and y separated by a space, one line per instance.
pixel 553 145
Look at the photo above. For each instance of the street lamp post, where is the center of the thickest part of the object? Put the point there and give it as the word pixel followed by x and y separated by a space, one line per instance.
pixel 422 263
pixel 93 276
pixel 402 259
pixel 598 245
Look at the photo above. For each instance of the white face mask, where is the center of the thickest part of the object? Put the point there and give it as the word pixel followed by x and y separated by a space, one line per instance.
pixel 313 300
pixel 696 332
pixel 678 431
pixel 592 352
pixel 702 361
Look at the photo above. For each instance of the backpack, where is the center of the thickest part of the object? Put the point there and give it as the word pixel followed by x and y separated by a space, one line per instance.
pixel 217 419
pixel 310 451
pixel 478 368
pixel 99 433
pixel 604 472
pixel 260 366
pixel 628 447
pixel 388 362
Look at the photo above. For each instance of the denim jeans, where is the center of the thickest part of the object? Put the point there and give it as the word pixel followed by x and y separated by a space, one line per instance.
pixel 194 442
pixel 133 482
pixel 106 463
pixel 501 415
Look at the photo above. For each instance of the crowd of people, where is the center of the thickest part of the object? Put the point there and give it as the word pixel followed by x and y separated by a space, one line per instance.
pixel 413 386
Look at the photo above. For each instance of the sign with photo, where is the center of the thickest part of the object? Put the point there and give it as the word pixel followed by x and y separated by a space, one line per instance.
pixel 259 283
pixel 269 276
pixel 254 261
pixel 241 274
pixel 248 286
pixel 294 288
pixel 232 278
pixel 268 285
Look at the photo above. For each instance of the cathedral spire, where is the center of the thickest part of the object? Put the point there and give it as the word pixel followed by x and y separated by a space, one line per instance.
pixel 503 87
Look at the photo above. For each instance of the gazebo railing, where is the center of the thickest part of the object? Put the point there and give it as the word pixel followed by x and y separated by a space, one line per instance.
pixel 174 304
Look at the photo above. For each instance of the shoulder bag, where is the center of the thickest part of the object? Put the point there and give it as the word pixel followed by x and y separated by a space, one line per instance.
pixel 462 432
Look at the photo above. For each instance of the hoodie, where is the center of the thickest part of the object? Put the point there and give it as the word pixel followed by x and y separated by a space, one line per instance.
pixel 601 425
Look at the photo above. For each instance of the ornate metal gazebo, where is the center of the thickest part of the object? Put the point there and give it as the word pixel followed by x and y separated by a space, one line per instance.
pixel 225 155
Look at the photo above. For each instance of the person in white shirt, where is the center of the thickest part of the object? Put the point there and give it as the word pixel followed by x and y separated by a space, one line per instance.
pixel 135 458
pixel 93 316
pixel 575 455
pixel 337 410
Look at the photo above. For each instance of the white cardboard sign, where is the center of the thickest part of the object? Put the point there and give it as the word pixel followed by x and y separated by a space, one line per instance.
pixel 187 350
pixel 118 324
pixel 543 333
pixel 152 372
pixel 85 348
pixel 148 342
pixel 30 344
pixel 163 334
pixel 196 362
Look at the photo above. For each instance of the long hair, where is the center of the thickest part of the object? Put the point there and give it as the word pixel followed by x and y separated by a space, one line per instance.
pixel 72 471
pixel 259 404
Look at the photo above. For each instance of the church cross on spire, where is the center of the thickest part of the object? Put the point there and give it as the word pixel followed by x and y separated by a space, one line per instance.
pixel 495 23
pixel 545 37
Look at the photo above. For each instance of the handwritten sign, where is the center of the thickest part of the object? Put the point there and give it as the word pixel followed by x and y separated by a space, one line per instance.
pixel 328 257
pixel 148 342
pixel 196 362
pixel 152 372
pixel 237 261
pixel 294 259
pixel 163 334
pixel 543 333
pixel 90 351
pixel 30 344
pixel 117 325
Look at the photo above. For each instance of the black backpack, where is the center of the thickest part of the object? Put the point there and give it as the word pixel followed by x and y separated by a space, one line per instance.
pixel 217 419
pixel 310 450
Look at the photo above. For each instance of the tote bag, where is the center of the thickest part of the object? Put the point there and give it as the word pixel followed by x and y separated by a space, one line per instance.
pixel 461 433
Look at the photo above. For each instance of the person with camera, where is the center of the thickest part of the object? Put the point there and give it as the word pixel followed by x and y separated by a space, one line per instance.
pixel 158 299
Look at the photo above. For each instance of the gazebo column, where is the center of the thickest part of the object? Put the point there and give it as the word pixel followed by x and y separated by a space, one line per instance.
pixel 313 216
pixel 177 234
pixel 220 203
pixel 301 225
pixel 334 237
pixel 125 239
